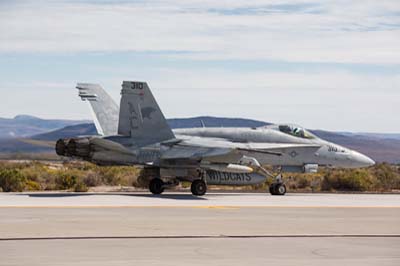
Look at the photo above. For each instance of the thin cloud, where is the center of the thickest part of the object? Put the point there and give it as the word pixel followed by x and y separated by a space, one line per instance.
pixel 323 64
pixel 299 31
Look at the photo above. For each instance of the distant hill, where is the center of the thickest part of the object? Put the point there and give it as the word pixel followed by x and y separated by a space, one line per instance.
pixel 380 147
pixel 86 129
pixel 388 136
pixel 16 146
pixel 26 125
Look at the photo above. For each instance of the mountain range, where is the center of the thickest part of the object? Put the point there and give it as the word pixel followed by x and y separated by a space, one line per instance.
pixel 26 125
pixel 28 134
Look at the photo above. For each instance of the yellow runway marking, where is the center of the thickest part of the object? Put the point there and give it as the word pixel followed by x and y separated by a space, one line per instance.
pixel 194 207
pixel 217 207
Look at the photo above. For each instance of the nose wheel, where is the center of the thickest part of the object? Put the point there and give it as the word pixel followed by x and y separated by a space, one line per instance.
pixel 277 189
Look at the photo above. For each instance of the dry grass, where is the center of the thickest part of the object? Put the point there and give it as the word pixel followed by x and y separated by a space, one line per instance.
pixel 81 176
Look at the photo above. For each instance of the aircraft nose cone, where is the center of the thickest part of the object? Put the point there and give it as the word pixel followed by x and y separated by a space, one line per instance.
pixel 362 160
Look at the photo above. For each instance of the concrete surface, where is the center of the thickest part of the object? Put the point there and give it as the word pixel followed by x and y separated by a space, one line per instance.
pixel 217 229
pixel 186 199
pixel 281 251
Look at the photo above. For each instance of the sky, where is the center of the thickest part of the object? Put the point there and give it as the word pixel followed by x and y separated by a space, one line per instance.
pixel 332 65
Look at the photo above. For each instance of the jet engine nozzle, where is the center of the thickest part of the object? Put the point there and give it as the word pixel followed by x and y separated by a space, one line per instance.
pixel 79 147
pixel 61 147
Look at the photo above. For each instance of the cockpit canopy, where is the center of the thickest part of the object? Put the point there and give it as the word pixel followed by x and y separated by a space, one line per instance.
pixel 296 131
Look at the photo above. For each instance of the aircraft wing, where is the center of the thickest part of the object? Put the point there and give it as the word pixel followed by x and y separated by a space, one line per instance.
pixel 194 152
pixel 277 148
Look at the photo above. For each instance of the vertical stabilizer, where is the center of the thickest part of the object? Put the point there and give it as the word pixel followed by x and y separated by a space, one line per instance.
pixel 104 109
pixel 140 116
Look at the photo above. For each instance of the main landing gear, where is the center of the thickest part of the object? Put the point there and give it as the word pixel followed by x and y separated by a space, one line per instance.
pixel 157 186
pixel 198 187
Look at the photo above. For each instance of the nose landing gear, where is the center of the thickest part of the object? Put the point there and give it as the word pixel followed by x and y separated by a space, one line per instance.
pixel 277 188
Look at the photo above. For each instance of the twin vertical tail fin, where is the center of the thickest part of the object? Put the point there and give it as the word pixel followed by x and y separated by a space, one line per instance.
pixel 140 116
pixel 104 109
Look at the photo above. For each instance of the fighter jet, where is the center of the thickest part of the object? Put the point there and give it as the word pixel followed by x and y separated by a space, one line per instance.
pixel 202 156
pixel 101 103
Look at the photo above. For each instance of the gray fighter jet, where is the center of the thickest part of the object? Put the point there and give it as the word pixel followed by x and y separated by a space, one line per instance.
pixel 215 156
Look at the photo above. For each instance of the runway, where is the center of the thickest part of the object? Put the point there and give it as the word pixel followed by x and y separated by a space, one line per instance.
pixel 217 229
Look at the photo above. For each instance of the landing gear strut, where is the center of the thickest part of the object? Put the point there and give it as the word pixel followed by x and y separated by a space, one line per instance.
pixel 198 187
pixel 156 186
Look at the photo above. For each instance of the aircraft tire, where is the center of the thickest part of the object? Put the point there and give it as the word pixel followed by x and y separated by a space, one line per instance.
pixel 198 187
pixel 156 186
pixel 277 189
pixel 272 189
